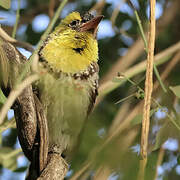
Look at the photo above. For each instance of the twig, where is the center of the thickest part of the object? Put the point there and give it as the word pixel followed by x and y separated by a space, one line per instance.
pixel 81 171
pixel 168 115
pixel 124 144
pixel 141 30
pixel 126 98
pixel 24 45
pixel 7 124
pixel 137 48
pixel 168 68
pixel 148 90
pixel 17 19
pixel 124 62
pixel 130 137
pixel 43 38
pixel 146 48
pixel 98 7
pixel 119 125
pixel 13 153
pixel 14 94
pixel 160 58
pixel 51 8
pixel 159 78
pixel 159 161
pixel 116 12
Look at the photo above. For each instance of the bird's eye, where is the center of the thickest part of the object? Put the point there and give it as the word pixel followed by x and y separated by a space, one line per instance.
pixel 83 21
pixel 74 23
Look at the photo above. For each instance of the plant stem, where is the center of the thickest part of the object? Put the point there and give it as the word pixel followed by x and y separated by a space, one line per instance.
pixel 17 19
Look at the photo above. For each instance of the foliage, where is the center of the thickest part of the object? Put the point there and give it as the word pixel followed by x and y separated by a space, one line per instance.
pixel 111 139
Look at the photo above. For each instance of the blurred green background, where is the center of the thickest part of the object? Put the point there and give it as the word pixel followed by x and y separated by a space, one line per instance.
pixel 111 139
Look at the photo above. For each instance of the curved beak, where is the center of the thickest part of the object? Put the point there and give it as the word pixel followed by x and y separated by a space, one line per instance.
pixel 91 25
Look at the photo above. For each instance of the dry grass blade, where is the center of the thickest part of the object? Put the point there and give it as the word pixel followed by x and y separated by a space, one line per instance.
pixel 51 8
pixel 148 91
pixel 168 68
pixel 159 161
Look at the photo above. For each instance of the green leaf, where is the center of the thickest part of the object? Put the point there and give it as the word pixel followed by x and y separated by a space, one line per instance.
pixel 2 97
pixel 8 157
pixel 175 90
pixel 21 169
pixel 137 119
pixel 5 4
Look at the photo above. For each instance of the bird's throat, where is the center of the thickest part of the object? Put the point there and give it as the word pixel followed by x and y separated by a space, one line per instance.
pixel 68 56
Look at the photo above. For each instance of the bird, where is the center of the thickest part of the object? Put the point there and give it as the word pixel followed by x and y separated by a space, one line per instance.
pixel 68 83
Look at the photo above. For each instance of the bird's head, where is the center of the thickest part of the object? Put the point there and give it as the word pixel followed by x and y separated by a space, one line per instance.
pixel 72 47
pixel 78 23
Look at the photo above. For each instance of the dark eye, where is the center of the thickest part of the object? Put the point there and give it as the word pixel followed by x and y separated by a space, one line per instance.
pixel 83 21
pixel 74 23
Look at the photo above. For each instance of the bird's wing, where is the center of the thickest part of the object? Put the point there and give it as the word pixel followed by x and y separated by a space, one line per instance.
pixel 94 90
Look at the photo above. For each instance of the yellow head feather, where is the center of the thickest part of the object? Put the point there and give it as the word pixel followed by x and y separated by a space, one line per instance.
pixel 69 50
pixel 72 16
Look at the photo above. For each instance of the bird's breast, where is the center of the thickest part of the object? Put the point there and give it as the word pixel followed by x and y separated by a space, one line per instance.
pixel 66 101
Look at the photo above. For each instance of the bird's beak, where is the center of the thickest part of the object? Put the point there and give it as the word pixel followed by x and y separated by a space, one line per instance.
pixel 91 25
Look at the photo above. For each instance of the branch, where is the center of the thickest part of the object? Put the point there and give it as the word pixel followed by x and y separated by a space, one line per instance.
pixel 56 168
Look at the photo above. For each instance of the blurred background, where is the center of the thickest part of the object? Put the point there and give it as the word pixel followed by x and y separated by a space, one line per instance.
pixel 110 143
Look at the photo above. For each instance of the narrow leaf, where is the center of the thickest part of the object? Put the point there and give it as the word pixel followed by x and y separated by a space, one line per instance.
pixel 175 90
pixel 5 4
pixel 2 97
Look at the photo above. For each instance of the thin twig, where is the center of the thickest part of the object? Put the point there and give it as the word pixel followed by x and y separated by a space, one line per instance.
pixel 122 63
pixel 159 78
pixel 168 68
pixel 81 171
pixel 13 153
pixel 123 144
pixel 7 124
pixel 159 161
pixel 120 125
pixel 14 94
pixel 141 30
pixel 167 114
pixel 51 8
pixel 116 12
pixel 146 48
pixel 43 37
pixel 160 58
pixel 98 7
pixel 24 45
pixel 148 91
pixel 17 19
